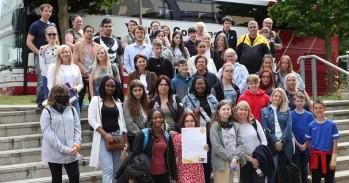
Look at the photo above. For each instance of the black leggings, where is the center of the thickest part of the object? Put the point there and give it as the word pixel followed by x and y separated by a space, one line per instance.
pixel 72 170
pixel 317 174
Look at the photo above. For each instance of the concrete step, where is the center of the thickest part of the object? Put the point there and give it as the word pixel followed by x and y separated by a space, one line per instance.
pixel 32 141
pixel 9 117
pixel 343 148
pixel 342 124
pixel 344 136
pixel 4 108
pixel 34 170
pixel 342 176
pixel 336 104
pixel 338 114
pixel 342 162
pixel 26 128
pixel 85 177
pixel 10 157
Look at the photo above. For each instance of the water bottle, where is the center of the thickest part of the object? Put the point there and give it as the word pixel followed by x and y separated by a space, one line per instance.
pixel 233 165
pixel 259 172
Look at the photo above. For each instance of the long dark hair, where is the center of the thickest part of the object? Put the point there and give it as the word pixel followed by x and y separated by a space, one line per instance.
pixel 181 44
pixel 118 93
pixel 192 88
pixel 132 105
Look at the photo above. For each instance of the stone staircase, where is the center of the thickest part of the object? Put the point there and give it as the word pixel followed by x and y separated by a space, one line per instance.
pixel 339 112
pixel 20 148
pixel 20 140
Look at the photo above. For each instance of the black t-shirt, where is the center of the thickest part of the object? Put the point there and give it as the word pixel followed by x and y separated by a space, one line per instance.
pixel 113 46
pixel 204 104
pixel 110 117
pixel 37 29
pixel 252 40
pixel 160 66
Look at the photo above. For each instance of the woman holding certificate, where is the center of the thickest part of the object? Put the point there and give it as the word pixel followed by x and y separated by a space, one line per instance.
pixel 187 173
pixel 203 103
pixel 227 144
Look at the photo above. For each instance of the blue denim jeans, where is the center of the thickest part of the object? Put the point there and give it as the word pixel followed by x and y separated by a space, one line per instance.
pixel 40 96
pixel 75 104
pixel 44 84
pixel 109 163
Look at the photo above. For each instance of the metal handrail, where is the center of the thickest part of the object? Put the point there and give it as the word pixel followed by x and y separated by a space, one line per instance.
pixel 314 59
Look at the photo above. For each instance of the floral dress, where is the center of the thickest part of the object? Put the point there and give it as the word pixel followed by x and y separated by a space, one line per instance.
pixel 187 173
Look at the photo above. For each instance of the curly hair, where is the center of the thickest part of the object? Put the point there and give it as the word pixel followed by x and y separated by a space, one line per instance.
pixel 132 105
pixel 57 90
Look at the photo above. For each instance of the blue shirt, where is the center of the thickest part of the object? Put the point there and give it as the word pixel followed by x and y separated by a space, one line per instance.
pixel 37 29
pixel 322 135
pixel 240 74
pixel 131 51
pixel 300 123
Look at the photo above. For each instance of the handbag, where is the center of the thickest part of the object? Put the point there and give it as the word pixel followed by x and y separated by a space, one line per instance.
pixel 118 142
pixel 288 172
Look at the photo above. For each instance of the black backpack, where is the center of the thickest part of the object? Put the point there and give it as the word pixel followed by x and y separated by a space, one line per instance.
pixel 288 172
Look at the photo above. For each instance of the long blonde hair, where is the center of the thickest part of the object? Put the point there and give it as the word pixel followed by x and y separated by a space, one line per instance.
pixel 96 66
pixel 58 58
pixel 284 104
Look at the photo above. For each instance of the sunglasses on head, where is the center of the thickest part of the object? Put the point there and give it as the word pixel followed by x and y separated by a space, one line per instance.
pixel 51 34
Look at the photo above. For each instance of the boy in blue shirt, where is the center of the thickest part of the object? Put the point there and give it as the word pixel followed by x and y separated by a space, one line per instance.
pixel 300 121
pixel 322 136
pixel 181 83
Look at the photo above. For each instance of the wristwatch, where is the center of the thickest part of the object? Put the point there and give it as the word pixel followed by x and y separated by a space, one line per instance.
pixel 282 141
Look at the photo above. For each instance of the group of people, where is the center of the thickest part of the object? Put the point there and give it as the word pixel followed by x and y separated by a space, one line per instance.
pixel 258 116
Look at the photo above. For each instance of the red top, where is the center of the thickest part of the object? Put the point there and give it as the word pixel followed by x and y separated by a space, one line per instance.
pixel 257 101
pixel 158 161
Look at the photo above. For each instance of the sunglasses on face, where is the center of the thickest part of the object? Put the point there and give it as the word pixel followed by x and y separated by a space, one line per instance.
pixel 51 34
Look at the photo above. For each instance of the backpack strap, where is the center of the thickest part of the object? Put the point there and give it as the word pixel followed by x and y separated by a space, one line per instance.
pixel 49 112
pixel 254 124
pixel 145 132
pixel 146 137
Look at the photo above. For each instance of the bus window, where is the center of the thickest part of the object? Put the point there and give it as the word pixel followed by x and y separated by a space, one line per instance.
pixel 240 13
pixel 156 9
pixel 196 10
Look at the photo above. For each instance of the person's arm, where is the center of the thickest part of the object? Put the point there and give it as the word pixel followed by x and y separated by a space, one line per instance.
pixel 69 39
pixel 51 76
pixel 30 44
pixel 172 161
pixel 127 60
pixel 90 86
pixel 278 42
pixel 287 133
pixel 77 131
pixel 79 84
pixel 42 62
pixel 78 60
pixel 334 155
pixel 49 135
pixel 240 147
pixel 308 101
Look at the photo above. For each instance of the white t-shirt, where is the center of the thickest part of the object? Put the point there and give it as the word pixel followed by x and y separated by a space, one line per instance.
pixel 143 79
pixel 67 75
pixel 250 138
pixel 278 131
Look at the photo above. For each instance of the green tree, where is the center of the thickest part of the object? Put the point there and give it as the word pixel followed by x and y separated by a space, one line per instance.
pixel 321 18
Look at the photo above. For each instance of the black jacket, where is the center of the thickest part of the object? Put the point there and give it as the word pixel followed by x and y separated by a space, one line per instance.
pixel 138 149
pixel 175 107
pixel 160 66
pixel 219 93
pixel 231 36
pixel 265 159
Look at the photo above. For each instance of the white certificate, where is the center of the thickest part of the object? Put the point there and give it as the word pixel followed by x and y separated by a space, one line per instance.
pixel 193 141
